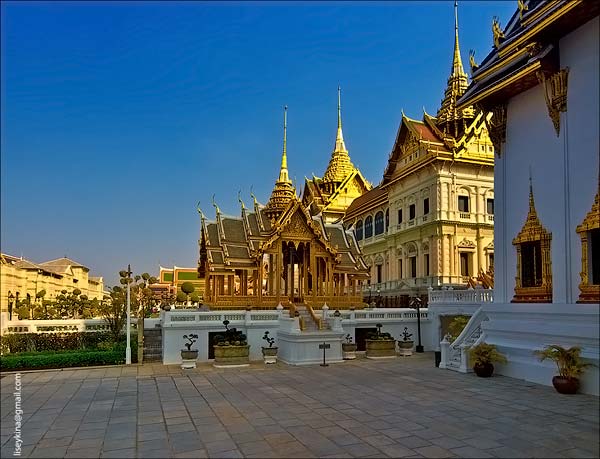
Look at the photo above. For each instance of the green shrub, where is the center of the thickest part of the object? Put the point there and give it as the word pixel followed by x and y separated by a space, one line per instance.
pixel 42 342
pixel 457 326
pixel 61 360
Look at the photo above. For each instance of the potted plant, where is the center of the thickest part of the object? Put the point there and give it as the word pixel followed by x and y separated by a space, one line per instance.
pixel 348 348
pixel 570 366
pixel 231 348
pixel 269 353
pixel 482 356
pixel 406 345
pixel 380 345
pixel 189 356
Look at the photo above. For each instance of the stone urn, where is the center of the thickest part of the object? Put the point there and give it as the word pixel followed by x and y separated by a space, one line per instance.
pixel 348 351
pixel 188 358
pixel 405 348
pixel 270 354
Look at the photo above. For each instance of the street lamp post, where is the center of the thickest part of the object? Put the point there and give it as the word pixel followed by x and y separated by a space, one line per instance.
pixel 128 349
pixel 378 297
pixel 11 298
pixel 369 295
pixel 416 303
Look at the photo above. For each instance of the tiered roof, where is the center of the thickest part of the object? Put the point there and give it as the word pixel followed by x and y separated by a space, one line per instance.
pixel 524 48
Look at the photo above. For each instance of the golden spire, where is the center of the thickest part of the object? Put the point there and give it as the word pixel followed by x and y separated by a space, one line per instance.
pixel 531 201
pixel 283 173
pixel 339 166
pixel 283 190
pixel 457 67
pixel 448 115
pixel 339 138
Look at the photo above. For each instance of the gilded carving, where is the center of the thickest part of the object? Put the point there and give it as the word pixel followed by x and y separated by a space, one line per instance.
pixel 472 63
pixel 497 31
pixel 497 127
pixel 533 231
pixel 555 93
pixel 522 8
pixel 589 292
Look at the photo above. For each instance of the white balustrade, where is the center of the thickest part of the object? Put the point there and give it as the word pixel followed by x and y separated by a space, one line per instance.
pixel 469 296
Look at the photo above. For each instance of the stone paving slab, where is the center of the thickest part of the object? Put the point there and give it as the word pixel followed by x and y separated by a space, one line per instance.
pixel 361 408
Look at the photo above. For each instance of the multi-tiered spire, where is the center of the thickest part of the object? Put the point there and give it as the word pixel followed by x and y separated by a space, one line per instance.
pixel 283 190
pixel 450 119
pixel 339 166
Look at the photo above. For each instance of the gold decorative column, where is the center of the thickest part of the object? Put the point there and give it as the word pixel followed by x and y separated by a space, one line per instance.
pixel 589 288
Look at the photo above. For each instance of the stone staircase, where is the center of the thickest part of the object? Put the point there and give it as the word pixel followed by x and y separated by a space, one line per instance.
pixel 153 345
pixel 309 324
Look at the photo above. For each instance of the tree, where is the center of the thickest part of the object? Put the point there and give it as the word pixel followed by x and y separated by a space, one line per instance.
pixel 187 288
pixel 181 297
pixel 114 311
pixel 195 298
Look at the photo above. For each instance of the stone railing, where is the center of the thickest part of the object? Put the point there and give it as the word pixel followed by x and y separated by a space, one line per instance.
pixel 469 296
pixel 454 355
pixel 384 314
pixel 56 326
pixel 186 318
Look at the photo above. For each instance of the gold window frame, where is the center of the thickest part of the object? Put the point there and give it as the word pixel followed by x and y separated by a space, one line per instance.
pixel 588 293
pixel 533 231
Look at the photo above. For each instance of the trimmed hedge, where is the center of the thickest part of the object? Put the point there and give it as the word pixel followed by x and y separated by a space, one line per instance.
pixel 62 360
pixel 41 342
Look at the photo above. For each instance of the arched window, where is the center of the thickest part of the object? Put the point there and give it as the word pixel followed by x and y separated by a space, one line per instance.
pixel 387 219
pixel 359 230
pixel 379 222
pixel 368 226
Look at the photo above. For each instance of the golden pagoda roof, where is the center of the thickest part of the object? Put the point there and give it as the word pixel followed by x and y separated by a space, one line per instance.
pixel 283 190
pixel 339 166
pixel 448 115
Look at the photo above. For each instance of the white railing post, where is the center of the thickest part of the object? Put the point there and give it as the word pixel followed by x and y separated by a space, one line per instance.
pixel 444 345
pixel 463 359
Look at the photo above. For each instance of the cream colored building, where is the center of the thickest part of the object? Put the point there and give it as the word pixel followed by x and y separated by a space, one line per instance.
pixel 21 279
pixel 430 220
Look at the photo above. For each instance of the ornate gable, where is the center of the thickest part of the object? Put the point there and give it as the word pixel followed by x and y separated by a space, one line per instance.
pixel 296 224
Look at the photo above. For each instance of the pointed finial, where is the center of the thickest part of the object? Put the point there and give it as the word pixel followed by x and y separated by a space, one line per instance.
pixel 283 172
pixel 285 132
pixel 240 199
pixel 215 205
pixel 531 201
pixel 200 210
pixel 456 17
pixel 339 107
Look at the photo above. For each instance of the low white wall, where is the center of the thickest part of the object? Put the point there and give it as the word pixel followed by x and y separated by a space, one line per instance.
pixel 519 329
pixel 177 323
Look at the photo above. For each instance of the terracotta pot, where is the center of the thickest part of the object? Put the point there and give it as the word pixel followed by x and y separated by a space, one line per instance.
pixel 565 385
pixel 483 370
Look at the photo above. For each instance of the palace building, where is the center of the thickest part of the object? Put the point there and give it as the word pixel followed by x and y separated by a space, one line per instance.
pixel 22 279
pixel 289 251
pixel 430 221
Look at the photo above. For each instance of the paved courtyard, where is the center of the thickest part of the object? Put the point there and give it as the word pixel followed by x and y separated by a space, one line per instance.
pixel 400 408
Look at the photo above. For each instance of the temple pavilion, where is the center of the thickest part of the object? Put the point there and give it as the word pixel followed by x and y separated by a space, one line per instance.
pixel 286 252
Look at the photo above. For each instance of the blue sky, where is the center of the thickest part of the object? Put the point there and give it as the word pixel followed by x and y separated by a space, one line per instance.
pixel 117 118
